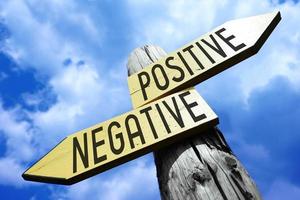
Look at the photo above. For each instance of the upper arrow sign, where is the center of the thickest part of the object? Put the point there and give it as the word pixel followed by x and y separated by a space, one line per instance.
pixel 203 58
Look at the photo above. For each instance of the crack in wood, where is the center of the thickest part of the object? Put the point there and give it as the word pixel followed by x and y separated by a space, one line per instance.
pixel 146 48
pixel 216 181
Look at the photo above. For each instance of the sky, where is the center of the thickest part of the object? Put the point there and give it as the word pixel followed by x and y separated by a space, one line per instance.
pixel 63 68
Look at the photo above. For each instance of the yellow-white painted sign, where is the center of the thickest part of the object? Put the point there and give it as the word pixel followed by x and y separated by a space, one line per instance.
pixel 203 58
pixel 123 138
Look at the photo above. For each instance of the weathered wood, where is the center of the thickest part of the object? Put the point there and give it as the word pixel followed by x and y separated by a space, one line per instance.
pixel 202 167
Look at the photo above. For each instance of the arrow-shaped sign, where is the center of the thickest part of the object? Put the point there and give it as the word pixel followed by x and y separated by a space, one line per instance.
pixel 203 58
pixel 123 138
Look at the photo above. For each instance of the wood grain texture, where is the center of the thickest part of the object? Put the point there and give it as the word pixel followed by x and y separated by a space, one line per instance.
pixel 202 167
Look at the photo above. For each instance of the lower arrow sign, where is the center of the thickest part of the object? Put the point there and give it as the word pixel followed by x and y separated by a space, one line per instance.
pixel 123 138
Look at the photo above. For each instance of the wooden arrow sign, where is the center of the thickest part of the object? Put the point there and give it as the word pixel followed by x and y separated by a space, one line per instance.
pixel 123 138
pixel 203 58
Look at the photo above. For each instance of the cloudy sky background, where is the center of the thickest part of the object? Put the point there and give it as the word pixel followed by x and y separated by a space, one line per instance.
pixel 63 68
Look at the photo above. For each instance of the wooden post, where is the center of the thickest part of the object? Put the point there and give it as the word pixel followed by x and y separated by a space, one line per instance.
pixel 202 167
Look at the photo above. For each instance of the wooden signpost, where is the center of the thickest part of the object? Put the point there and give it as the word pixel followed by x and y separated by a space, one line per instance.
pixel 167 110
pixel 200 167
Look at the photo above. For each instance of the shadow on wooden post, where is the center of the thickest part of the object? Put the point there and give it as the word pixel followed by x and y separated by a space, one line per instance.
pixel 202 167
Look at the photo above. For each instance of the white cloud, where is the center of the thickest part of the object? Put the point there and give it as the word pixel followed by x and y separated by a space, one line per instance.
pixel 253 152
pixel 46 33
pixel 18 147
pixel 133 180
pixel 176 23
pixel 79 91
pixel 10 172
pixel 83 99
pixel 18 135
pixel 181 21
pixel 2 76
pixel 282 189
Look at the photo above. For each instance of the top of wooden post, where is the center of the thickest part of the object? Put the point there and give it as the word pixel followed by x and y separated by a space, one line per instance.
pixel 143 56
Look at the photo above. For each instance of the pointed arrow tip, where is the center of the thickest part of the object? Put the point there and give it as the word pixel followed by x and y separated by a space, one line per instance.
pixel 52 167
pixel 44 179
pixel 271 20
pixel 274 15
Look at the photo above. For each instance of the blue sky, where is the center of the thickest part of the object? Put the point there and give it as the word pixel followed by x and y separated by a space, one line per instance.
pixel 63 68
